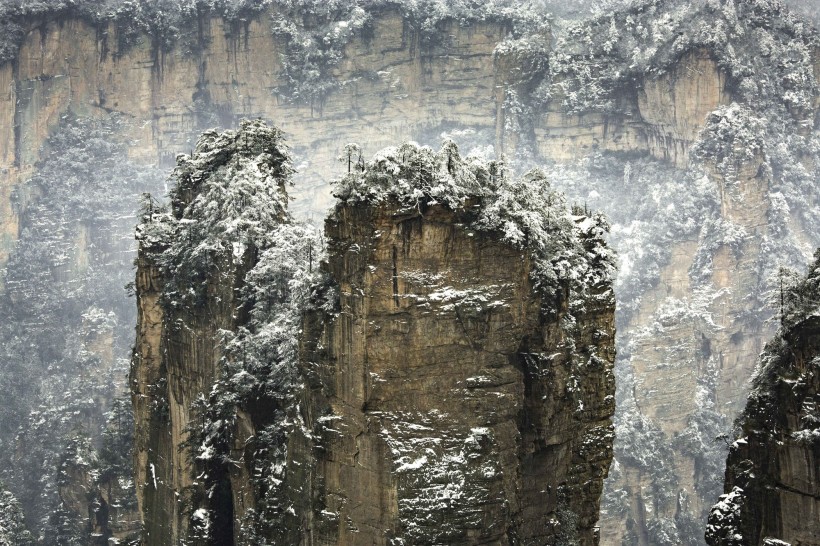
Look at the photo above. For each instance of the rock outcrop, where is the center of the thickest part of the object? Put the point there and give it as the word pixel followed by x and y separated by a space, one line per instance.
pixel 393 86
pixel 460 410
pixel 772 487
pixel 453 381
pixel 191 267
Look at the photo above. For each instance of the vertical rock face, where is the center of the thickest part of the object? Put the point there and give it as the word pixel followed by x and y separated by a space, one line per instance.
pixel 388 86
pixel 773 469
pixel 192 263
pixel 691 341
pixel 663 116
pixel 453 381
pixel 459 409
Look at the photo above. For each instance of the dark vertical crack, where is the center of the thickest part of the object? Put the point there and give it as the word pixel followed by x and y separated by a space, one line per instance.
pixel 395 277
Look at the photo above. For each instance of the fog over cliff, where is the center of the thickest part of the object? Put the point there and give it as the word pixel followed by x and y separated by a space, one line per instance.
pixel 693 127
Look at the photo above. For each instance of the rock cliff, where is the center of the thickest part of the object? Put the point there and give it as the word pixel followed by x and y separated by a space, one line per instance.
pixel 192 264
pixel 632 106
pixel 701 250
pixel 453 380
pixel 772 487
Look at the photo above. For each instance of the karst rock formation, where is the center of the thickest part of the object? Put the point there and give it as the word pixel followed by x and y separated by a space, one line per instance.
pixel 692 126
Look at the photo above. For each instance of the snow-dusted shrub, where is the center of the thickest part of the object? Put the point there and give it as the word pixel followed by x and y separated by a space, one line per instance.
pixel 732 135
pixel 12 525
pixel 800 296
pixel 716 233
pixel 312 52
pixel 663 532
pixel 724 519
pixel 228 201
pixel 567 247
pixel 597 56
pixel 593 56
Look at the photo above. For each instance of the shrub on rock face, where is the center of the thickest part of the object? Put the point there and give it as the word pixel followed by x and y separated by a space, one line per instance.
pixel 13 530
pixel 229 200
pixel 724 520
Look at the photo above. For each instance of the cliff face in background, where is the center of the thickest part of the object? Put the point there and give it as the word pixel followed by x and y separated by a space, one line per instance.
pixel 446 391
pixel 699 244
pixel 663 116
pixel 393 89
pixel 773 470
pixel 688 332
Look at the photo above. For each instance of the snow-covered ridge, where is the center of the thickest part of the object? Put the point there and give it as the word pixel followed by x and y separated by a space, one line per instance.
pixel 566 244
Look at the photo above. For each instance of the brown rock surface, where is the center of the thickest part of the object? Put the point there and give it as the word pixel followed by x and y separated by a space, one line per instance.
pixel 666 114
pixel 773 470
pixel 463 423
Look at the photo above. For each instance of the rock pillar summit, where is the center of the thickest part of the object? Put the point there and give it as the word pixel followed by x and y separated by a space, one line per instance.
pixel 442 372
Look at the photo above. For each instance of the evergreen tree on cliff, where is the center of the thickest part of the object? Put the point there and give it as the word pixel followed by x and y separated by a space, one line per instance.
pixel 13 530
